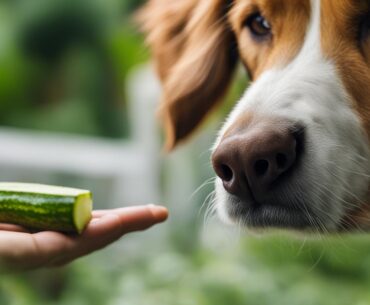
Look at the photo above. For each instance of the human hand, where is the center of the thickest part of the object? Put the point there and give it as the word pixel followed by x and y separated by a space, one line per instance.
pixel 23 250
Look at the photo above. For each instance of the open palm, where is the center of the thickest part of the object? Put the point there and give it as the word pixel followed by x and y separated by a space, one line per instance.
pixel 22 250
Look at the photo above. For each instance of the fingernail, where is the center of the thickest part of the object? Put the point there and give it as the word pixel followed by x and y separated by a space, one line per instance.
pixel 160 213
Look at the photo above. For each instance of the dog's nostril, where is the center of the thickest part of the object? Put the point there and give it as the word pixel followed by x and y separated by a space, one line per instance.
pixel 281 160
pixel 227 173
pixel 261 167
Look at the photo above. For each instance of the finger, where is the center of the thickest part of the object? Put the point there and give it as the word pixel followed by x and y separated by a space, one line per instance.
pixel 110 227
pixel 118 222
pixel 131 209
pixel 138 218
pixel 12 227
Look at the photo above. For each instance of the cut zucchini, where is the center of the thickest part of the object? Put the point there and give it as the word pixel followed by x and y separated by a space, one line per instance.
pixel 45 207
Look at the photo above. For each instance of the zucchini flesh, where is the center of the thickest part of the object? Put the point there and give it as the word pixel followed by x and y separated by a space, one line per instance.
pixel 45 207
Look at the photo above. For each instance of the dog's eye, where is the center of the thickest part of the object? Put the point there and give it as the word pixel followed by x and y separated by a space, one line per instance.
pixel 365 28
pixel 258 25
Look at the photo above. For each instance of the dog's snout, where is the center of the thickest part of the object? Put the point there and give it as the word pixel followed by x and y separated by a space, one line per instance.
pixel 250 163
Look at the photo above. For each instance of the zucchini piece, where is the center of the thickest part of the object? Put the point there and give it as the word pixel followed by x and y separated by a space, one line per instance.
pixel 45 207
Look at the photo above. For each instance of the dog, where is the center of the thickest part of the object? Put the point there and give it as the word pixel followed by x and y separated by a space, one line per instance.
pixel 294 152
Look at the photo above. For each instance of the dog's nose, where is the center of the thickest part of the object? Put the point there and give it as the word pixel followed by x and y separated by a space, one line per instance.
pixel 253 161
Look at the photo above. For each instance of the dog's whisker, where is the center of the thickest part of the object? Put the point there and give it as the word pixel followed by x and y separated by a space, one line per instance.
pixel 330 192
pixel 353 153
pixel 347 187
pixel 318 222
pixel 209 181
pixel 350 171
pixel 304 209
pixel 329 216
pixel 210 208
pixel 317 261
pixel 207 201
pixel 301 247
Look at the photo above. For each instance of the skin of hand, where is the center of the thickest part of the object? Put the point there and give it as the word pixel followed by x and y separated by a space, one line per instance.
pixel 22 250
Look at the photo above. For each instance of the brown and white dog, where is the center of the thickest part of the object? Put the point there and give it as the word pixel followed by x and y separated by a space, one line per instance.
pixel 294 152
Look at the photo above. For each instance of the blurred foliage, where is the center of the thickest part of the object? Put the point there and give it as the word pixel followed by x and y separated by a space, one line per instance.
pixel 63 64
pixel 275 269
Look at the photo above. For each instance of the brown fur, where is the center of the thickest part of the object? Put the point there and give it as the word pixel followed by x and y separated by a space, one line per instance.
pixel 195 56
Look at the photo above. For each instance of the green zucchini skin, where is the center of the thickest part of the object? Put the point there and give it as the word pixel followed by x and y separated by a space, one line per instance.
pixel 41 211
pixel 35 211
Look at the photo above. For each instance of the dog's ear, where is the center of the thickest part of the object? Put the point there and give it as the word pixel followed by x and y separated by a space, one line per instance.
pixel 195 54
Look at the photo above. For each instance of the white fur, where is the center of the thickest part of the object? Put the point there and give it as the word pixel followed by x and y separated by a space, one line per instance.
pixel 308 90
